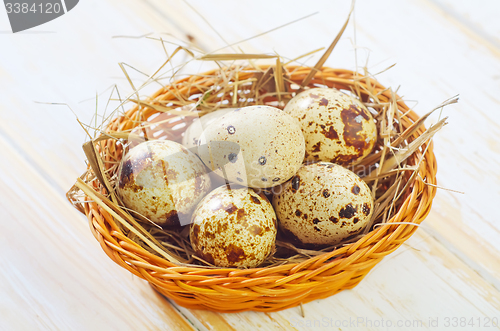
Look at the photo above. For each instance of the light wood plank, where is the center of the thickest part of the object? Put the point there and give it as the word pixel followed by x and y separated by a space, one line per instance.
pixel 454 273
pixel 54 275
pixel 427 73
pixel 435 60
pixel 72 64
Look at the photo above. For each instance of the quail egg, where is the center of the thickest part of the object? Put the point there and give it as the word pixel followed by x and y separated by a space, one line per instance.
pixel 256 146
pixel 322 204
pixel 193 132
pixel 163 181
pixel 233 228
pixel 337 127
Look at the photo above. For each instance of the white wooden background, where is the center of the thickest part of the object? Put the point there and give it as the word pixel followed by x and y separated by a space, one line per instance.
pixel 53 273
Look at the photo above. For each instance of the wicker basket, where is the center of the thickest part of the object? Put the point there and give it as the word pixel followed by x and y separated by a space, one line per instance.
pixel 266 288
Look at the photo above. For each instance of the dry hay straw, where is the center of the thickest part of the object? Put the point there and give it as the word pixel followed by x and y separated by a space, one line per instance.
pixel 401 172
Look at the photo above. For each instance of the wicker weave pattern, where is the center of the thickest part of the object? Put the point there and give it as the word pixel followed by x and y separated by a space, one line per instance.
pixel 270 288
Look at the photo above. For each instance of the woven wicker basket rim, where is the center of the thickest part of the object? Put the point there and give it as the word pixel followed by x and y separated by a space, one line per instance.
pixel 279 287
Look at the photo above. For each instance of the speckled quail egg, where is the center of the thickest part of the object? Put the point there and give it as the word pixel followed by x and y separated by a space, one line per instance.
pixel 337 127
pixel 233 228
pixel 193 132
pixel 163 181
pixel 267 146
pixel 322 204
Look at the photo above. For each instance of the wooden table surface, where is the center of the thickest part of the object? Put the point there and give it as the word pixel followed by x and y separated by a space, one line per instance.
pixel 54 275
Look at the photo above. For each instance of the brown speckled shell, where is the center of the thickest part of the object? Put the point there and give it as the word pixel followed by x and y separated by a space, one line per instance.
pixel 162 181
pixel 193 132
pixel 267 289
pixel 234 228
pixel 323 204
pixel 272 146
pixel 337 127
